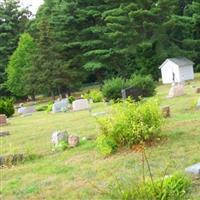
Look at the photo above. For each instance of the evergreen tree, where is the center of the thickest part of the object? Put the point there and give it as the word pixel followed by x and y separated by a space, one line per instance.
pixel 12 23
pixel 21 62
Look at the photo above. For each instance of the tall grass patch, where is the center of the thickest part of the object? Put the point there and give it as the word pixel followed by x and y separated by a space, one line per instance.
pixel 175 187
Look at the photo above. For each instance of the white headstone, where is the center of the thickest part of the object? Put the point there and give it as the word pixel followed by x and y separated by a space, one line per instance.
pixel 81 104
pixel 60 106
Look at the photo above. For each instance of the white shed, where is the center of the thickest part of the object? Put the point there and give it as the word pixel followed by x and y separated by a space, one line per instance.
pixel 177 70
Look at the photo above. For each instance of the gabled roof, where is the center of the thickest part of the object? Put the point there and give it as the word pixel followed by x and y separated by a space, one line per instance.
pixel 181 62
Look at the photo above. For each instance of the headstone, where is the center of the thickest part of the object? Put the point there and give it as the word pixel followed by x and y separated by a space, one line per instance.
pixel 4 133
pixel 26 110
pixel 132 92
pixel 60 106
pixel 176 90
pixel 3 120
pixel 59 136
pixel 166 111
pixel 81 104
pixel 73 141
pixel 198 90
pixel 194 169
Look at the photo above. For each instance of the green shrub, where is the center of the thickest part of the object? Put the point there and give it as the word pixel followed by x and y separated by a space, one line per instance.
pixel 175 187
pixel 47 107
pixel 106 145
pixel 7 107
pixel 145 83
pixel 41 108
pixel 71 99
pixel 61 146
pixel 131 123
pixel 95 95
pixel 112 88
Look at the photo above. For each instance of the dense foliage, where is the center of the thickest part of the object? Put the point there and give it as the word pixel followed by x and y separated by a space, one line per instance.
pixel 94 95
pixel 112 89
pixel 84 41
pixel 175 187
pixel 129 123
pixel 7 107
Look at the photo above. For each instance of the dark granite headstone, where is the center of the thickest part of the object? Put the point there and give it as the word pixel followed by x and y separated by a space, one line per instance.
pixel 134 93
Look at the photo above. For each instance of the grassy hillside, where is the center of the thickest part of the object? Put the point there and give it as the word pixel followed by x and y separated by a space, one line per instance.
pixel 82 173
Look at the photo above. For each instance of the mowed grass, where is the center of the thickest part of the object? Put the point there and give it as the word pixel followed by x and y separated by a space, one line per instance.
pixel 82 173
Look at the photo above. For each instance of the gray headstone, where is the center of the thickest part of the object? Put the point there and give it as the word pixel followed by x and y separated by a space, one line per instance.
pixel 194 169
pixel 59 136
pixel 133 92
pixel 60 106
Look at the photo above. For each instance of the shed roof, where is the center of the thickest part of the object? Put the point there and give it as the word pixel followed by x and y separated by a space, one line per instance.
pixel 181 61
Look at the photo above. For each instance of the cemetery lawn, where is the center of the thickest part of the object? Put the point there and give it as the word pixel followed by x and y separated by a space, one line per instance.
pixel 82 173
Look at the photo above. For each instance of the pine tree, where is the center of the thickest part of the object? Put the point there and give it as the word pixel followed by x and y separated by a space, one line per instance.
pixel 12 23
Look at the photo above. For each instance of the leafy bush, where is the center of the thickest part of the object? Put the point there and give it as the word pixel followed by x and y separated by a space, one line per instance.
pixel 47 107
pixel 106 145
pixel 130 123
pixel 71 99
pixel 7 107
pixel 95 95
pixel 174 187
pixel 145 83
pixel 112 88
pixel 41 108
pixel 61 146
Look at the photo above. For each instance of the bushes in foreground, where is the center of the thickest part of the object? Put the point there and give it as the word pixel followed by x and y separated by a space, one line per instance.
pixel 129 123
pixel 7 107
pixel 112 88
pixel 174 187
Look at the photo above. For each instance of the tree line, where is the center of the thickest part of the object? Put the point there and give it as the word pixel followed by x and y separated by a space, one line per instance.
pixel 71 42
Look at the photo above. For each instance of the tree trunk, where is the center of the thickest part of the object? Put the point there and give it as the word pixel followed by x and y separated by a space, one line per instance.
pixel 53 96
pixel 33 97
